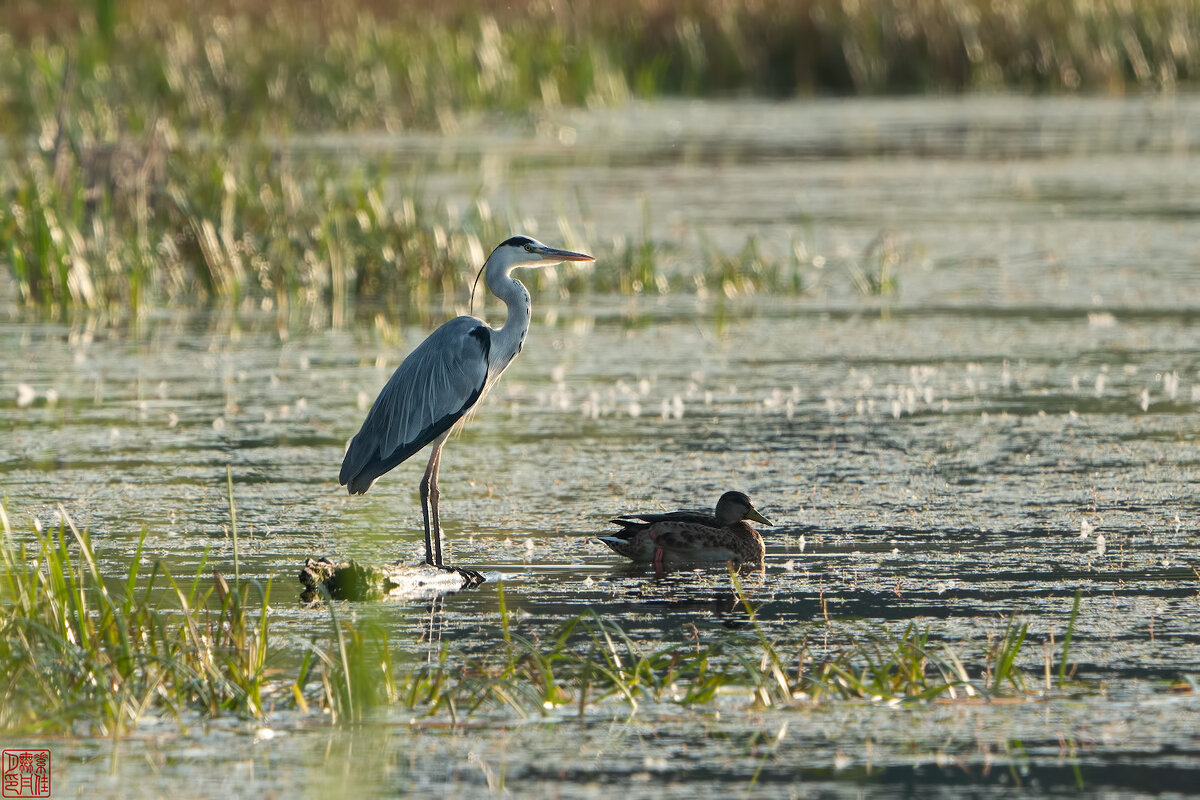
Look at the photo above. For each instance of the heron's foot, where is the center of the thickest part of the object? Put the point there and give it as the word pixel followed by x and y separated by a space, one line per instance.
pixel 470 577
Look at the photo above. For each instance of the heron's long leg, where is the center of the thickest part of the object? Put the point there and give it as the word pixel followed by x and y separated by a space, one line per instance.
pixel 433 520
pixel 431 477
pixel 435 464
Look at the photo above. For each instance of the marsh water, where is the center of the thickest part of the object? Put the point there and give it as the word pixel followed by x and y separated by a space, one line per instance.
pixel 1013 422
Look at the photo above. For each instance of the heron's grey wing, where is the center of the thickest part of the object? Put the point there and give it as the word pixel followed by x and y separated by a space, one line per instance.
pixel 432 388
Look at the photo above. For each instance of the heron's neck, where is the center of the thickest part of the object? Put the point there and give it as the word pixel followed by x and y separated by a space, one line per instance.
pixel 506 341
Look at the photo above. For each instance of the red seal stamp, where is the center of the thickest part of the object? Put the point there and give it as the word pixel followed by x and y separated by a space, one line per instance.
pixel 25 773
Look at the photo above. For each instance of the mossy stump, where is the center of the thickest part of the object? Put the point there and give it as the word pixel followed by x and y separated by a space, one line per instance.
pixel 349 580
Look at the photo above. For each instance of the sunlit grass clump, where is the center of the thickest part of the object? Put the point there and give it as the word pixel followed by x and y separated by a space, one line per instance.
pixel 77 648
pixel 590 661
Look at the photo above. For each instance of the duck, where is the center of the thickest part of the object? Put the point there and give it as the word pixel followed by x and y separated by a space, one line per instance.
pixel 692 536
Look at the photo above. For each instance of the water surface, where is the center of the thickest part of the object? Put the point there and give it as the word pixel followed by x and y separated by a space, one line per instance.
pixel 1015 423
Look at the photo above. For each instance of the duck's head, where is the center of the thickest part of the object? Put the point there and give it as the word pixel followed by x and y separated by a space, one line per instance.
pixel 736 506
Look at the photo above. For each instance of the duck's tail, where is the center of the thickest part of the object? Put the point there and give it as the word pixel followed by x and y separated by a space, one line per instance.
pixel 615 543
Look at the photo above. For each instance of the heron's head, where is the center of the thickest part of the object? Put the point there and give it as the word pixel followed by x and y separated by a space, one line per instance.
pixel 523 251
pixel 735 506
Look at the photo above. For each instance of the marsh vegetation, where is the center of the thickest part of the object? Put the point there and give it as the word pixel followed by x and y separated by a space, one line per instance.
pixel 148 158
pixel 946 340
pixel 96 656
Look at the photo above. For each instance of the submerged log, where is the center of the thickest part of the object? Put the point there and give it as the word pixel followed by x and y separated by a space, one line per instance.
pixel 350 580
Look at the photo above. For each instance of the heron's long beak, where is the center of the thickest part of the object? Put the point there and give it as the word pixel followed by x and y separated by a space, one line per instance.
pixel 554 254
pixel 757 517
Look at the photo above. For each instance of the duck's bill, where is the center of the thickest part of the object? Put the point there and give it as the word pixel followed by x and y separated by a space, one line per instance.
pixel 757 517
pixel 563 255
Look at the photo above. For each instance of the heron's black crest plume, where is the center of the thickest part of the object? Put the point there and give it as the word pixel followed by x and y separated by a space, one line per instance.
pixel 471 302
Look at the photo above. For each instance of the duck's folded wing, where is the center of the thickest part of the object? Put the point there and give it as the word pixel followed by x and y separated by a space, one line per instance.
pixel 698 516
pixel 684 538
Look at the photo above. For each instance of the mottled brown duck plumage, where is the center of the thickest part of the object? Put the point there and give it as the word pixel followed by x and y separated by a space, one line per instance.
pixel 692 536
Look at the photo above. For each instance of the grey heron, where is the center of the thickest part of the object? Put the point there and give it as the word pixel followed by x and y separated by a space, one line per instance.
pixel 692 535
pixel 440 381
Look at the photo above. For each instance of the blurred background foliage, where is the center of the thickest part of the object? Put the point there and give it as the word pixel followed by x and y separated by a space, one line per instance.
pixel 237 65
pixel 140 167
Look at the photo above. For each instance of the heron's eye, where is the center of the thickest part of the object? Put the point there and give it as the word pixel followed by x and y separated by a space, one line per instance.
pixel 528 248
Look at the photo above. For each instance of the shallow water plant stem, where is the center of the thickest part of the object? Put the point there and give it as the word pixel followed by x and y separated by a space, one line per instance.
pixel 504 624
pixel 237 572
pixel 776 667
pixel 346 687
pixel 1062 666
pixel 1009 649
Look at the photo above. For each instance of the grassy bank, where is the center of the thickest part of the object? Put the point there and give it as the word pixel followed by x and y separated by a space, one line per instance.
pixel 176 227
pixel 83 651
pixel 259 65
pixel 152 224
pixel 119 188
